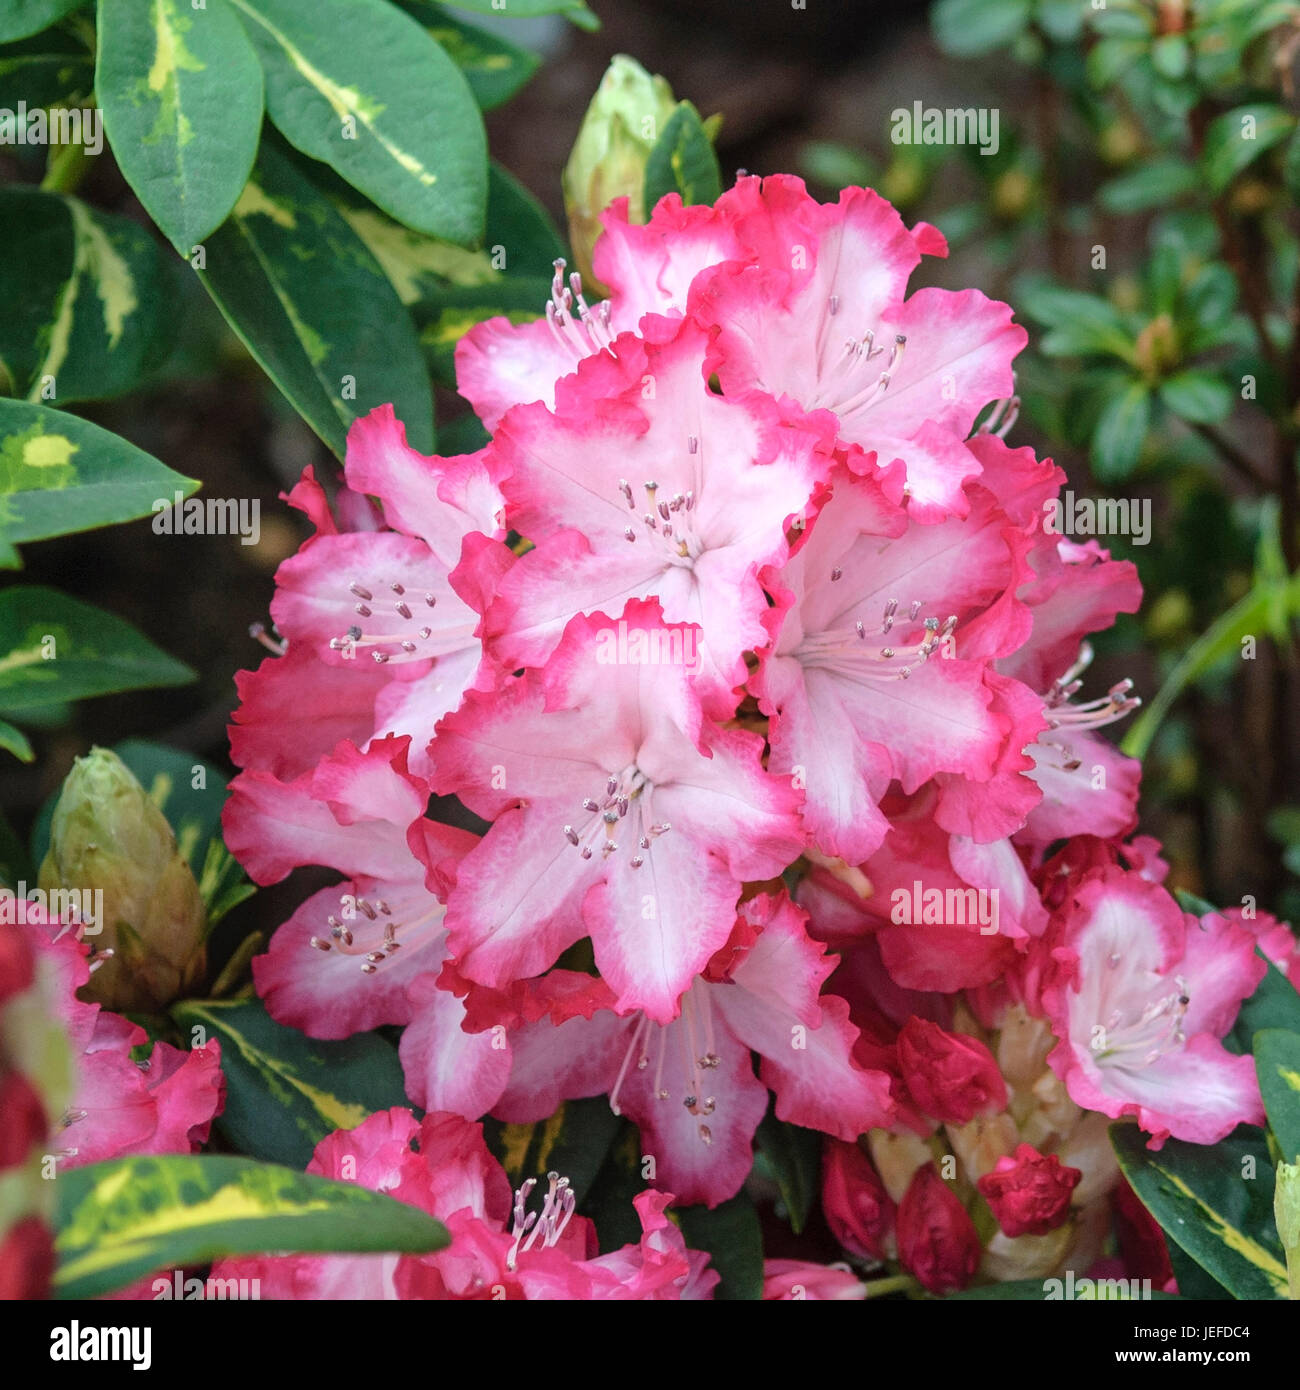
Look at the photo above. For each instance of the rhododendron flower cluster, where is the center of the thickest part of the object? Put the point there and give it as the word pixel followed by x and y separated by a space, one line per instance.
pixel 746 645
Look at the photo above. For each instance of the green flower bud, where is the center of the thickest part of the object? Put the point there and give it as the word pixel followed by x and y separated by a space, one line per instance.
pixel 107 837
pixel 608 161
pixel 1286 1212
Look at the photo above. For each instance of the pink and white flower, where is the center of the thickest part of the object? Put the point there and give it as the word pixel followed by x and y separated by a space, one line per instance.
pixel 689 1085
pixel 649 270
pixel 866 682
pixel 1144 995
pixel 162 1104
pixel 397 599
pixel 819 315
pixel 620 812
pixel 643 483
pixel 367 951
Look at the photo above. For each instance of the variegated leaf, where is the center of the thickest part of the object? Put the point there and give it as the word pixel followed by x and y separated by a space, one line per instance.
pixel 314 307
pixel 83 291
pixel 361 86
pixel 54 648
pixel 60 474
pixel 285 1091
pixel 1215 1201
pixel 1277 1063
pixel 181 92
pixel 120 1220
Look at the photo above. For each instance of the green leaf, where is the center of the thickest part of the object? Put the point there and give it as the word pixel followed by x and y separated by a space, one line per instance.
pixel 1277 1063
pixel 85 299
pixel 575 11
pixel 417 266
pixel 181 92
pixel 1236 139
pixel 223 885
pixel 573 1142
pixel 794 1156
pixel 128 1217
pixel 1193 1281
pixel 494 68
pixel 1209 301
pixel 361 86
pixel 734 1239
pixel 968 27
pixel 21 18
pixel 1121 430
pixel 1060 19
pixel 1151 185
pixel 1111 57
pixel 1171 56
pixel 682 161
pixel 521 226
pixel 50 69
pixel 463 435
pixel 1079 324
pixel 1197 396
pixel 1204 1203
pixel 609 1200
pixel 314 307
pixel 837 166
pixel 285 1091
pixel 16 742
pixel 55 648
pixel 60 474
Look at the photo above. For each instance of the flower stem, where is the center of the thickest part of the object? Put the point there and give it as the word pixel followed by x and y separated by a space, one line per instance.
pixel 898 1283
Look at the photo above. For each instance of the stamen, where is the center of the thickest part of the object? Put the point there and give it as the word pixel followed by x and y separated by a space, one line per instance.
pixel 258 632
pixel 379 934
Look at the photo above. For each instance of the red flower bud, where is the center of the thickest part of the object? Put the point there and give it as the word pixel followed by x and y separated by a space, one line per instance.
pixel 857 1207
pixel 950 1076
pixel 937 1241
pixel 1029 1192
